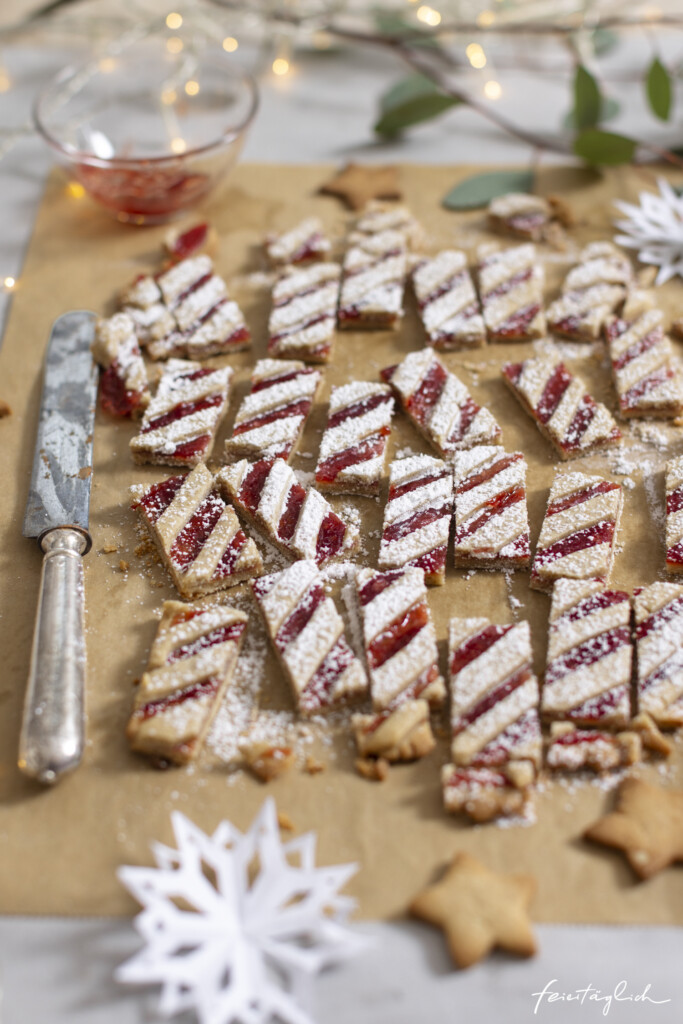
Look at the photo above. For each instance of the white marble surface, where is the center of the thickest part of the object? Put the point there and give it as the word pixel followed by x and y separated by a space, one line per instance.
pixel 60 971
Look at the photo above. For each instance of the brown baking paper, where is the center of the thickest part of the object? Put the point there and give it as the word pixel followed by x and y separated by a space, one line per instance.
pixel 61 847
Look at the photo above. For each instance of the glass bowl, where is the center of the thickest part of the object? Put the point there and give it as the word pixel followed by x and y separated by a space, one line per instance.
pixel 149 132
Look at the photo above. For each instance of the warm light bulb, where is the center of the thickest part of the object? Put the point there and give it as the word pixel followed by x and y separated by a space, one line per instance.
pixel 493 90
pixel 107 65
pixel 169 96
pixel 486 18
pixel 5 81
pixel 280 66
pixel 174 44
pixel 428 15
pixel 230 44
pixel 75 190
pixel 9 283
pixel 174 20
pixel 191 87
pixel 178 145
pixel 476 55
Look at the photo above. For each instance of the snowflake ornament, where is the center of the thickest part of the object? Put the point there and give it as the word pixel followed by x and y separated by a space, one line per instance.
pixel 655 229
pixel 236 925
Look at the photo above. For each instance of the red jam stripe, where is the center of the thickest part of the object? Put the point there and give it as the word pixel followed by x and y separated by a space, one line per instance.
pixel 659 618
pixel 517 324
pixel 468 411
pixel 642 345
pixel 300 408
pixel 357 409
pixel 476 479
pixel 601 533
pixel 591 604
pixel 374 587
pixel 423 400
pixel 159 496
pixel 588 653
pixel 330 538
pixel 253 484
pixel 183 409
pixel 578 497
pixel 114 397
pixel 398 635
pixel 499 693
pixel 559 381
pixel 413 485
pixel 495 506
pixel 217 636
pixel 230 556
pixel 194 535
pixel 412 692
pixel 290 517
pixel 497 751
pixel 204 689
pixel 583 417
pixel 415 522
pixel 319 687
pixel 368 448
pixel 508 284
pixel 476 646
pixel 299 619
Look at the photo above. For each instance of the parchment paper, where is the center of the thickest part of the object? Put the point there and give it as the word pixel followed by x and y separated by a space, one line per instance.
pixel 60 847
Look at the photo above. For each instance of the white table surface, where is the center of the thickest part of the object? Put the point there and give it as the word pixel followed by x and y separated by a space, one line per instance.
pixel 59 971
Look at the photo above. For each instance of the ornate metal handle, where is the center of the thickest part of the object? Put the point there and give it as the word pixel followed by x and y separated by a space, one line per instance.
pixel 53 728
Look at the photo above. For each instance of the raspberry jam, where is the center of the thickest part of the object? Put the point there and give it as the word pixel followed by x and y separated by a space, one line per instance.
pixel 156 500
pixel 252 485
pixel 299 619
pixel 399 634
pixel 290 517
pixel 181 410
pixel 301 408
pixel 189 242
pixel 195 534
pixel 147 191
pixel 476 646
pixel 428 393
pixel 415 522
pixel 320 688
pixel 114 397
pixel 217 636
pixel 360 408
pixel 330 538
pixel 578 497
pixel 557 384
pixel 369 448
pixel 468 410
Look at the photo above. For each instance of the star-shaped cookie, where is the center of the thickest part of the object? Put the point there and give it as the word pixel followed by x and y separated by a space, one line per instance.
pixel 478 910
pixel 647 824
pixel 356 184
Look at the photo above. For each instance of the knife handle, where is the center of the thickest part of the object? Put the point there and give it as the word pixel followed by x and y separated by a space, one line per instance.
pixel 53 727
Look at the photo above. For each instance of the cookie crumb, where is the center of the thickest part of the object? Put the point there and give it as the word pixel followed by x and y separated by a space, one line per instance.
pixel 4 409
pixel 285 822
pixel 267 762
pixel 124 566
pixel 312 766
pixel 109 549
pixel 376 769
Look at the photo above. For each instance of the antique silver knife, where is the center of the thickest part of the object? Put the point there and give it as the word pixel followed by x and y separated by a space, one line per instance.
pixel 57 511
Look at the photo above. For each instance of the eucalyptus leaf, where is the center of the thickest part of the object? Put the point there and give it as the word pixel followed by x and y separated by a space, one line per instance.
pixel 480 189
pixel 604 148
pixel 604 40
pixel 609 110
pixel 659 91
pixel 411 101
pixel 587 99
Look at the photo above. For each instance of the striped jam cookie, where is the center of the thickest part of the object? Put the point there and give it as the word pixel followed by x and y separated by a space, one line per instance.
pixel 302 320
pixel 560 406
pixel 645 378
pixel 307 633
pixel 304 243
pixel 659 648
pixel 417 516
pixel 491 520
pixel 198 536
pixel 448 304
pixel 272 416
pixel 403 664
pixel 588 674
pixel 191 664
pixel 511 292
pixel 124 390
pixel 592 291
pixel 579 530
pixel 439 404
pixel 181 421
pixel 299 522
pixel 353 447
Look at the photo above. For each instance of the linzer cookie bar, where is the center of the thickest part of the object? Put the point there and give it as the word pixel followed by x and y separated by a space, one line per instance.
pixel 579 530
pixel 181 421
pixel 659 649
pixel 486 793
pixel 207 322
pixel 588 674
pixel 403 663
pixel 143 302
pixel 299 522
pixel 307 633
pixel 417 516
pixel 674 515
pixel 593 290
pixel 560 406
pixel 521 215
pixel 191 664
pixel 491 520
pixel 448 303
pixel 511 291
pixel 302 319
pixel 375 268
pixel 353 447
pixel 379 216
pixel 645 379
pixel 494 694
pixel 271 418
pixel 305 243
pixel 572 749
pixel 124 390
pixel 439 404
pixel 198 536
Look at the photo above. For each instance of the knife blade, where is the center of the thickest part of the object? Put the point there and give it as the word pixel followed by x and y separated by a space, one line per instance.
pixel 57 516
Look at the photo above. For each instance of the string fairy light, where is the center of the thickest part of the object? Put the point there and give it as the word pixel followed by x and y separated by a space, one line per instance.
pixel 192 87
pixel 174 20
pixel 230 44
pixel 107 65
pixel 281 66
pixel 75 190
pixel 486 18
pixel 493 90
pixel 174 44
pixel 5 81
pixel 428 15
pixel 178 145
pixel 169 96
pixel 475 55
pixel 9 284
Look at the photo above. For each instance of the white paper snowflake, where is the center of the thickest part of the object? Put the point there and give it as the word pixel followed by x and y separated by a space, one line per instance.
pixel 236 925
pixel 655 229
